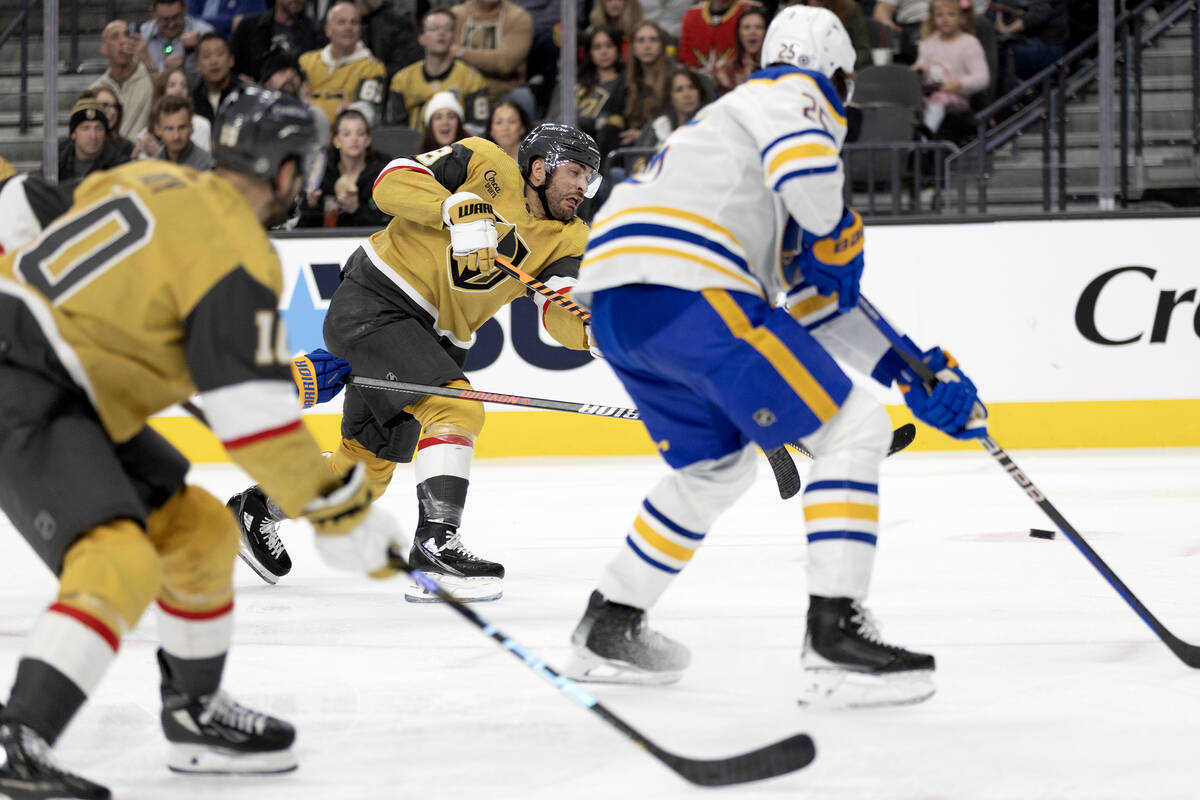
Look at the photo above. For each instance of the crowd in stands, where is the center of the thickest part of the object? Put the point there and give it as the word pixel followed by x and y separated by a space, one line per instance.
pixel 375 71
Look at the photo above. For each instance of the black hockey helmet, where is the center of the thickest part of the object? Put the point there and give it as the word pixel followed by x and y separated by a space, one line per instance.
pixel 556 143
pixel 257 130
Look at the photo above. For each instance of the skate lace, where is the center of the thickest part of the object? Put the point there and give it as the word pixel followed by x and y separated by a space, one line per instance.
pixel 268 529
pixel 454 542
pixel 226 711
pixel 866 625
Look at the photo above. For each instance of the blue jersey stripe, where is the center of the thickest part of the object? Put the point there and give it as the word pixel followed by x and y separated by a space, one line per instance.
pixel 855 485
pixel 857 536
pixel 800 173
pixel 648 559
pixel 786 136
pixel 665 232
pixel 658 515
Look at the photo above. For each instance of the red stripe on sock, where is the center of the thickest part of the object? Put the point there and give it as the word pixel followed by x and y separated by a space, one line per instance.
pixel 196 615
pixel 233 444
pixel 449 438
pixel 106 633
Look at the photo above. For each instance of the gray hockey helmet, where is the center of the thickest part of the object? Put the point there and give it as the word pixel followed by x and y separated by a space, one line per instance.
pixel 556 143
pixel 257 130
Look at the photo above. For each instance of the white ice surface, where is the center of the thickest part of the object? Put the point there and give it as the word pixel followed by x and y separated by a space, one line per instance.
pixel 1049 686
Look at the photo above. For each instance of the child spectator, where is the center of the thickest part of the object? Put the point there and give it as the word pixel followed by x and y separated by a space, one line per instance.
pixel 950 60
pixel 688 95
pixel 351 167
pixel 444 123
pixel 752 27
pixel 647 79
pixel 508 125
pixel 620 15
pixel 110 104
pixel 171 82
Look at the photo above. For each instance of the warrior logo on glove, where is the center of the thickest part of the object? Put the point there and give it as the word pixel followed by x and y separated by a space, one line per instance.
pixel 511 247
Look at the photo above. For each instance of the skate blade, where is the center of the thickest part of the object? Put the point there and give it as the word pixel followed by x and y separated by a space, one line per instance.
pixel 828 689
pixel 466 590
pixel 199 758
pixel 247 555
pixel 587 667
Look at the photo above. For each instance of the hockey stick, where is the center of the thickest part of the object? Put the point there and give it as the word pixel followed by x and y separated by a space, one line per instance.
pixel 788 479
pixel 592 409
pixel 1187 653
pixel 779 758
pixel 520 275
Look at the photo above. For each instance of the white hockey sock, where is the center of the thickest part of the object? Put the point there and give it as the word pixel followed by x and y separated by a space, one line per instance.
pixel 195 634
pixel 671 525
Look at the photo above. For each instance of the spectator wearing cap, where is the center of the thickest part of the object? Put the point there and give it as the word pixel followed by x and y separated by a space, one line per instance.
pixel 87 148
pixel 412 87
pixel 708 34
pixel 494 37
pixel 281 72
pixel 171 37
pixel 351 167
pixel 215 63
pixel 284 28
pixel 126 76
pixel 172 118
pixel 443 122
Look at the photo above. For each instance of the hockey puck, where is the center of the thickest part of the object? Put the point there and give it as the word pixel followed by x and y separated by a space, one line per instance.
pixel 1040 534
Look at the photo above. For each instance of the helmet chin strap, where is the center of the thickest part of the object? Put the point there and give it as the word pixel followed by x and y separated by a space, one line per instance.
pixel 541 193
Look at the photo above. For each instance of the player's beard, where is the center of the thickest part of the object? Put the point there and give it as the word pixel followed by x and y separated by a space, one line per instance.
pixel 278 213
pixel 563 211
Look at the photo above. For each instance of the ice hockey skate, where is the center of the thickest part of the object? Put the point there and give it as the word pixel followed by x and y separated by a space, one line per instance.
pixel 438 551
pixel 215 734
pixel 260 547
pixel 613 644
pixel 847 664
pixel 28 770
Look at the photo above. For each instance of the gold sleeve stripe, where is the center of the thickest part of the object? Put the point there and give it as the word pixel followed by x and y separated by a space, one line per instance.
pixel 775 352
pixel 813 150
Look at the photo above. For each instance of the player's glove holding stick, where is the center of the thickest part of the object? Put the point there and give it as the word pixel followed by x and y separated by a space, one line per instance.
pixel 952 405
pixel 834 262
pixel 351 534
pixel 472 230
pixel 318 376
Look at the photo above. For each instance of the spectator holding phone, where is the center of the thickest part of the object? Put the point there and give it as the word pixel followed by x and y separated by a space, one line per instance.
pixel 126 76
pixel 172 36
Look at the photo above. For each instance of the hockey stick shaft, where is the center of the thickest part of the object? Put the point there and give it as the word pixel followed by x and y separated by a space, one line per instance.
pixel 533 283
pixel 1187 653
pixel 787 478
pixel 782 757
pixel 591 409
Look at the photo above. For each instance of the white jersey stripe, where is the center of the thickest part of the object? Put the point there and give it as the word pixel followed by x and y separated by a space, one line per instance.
pixel 244 409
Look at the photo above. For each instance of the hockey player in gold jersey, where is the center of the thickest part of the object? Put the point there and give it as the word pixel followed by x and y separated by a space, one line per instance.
pixel 157 283
pixel 408 307
pixel 345 73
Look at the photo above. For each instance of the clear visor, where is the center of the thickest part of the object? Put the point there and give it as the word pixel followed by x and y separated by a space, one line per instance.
pixel 594 178
pixel 594 182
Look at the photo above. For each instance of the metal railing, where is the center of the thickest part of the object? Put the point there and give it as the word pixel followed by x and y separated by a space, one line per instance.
pixel 1067 78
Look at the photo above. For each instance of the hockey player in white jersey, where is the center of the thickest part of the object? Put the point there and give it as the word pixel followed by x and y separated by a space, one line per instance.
pixel 684 265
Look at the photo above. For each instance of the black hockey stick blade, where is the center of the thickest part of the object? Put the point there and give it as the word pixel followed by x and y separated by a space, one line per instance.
pixel 902 437
pixel 786 476
pixel 776 759
pixel 780 758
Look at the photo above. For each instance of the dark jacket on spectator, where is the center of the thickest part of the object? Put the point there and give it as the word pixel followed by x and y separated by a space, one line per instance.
pixel 69 168
pixel 1045 20
pixel 256 36
pixel 200 104
pixel 368 215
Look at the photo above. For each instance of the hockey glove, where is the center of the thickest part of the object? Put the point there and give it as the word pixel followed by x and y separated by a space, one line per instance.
pixel 472 230
pixel 953 406
pixel 351 535
pixel 834 263
pixel 319 376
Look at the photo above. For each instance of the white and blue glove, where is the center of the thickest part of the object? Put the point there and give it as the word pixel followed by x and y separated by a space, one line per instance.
pixel 318 376
pixel 834 262
pixel 953 405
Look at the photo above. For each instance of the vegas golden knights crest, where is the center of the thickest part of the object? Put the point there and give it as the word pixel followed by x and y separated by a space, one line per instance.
pixel 510 246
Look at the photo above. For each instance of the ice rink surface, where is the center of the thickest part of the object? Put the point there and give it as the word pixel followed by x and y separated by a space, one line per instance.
pixel 1049 686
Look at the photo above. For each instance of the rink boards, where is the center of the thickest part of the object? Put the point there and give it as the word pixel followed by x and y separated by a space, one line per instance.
pixel 1080 333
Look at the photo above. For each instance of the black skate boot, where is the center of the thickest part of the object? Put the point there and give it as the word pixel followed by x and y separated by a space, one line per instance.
pixel 261 547
pixel 438 551
pixel 28 770
pixel 847 664
pixel 215 734
pixel 612 644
